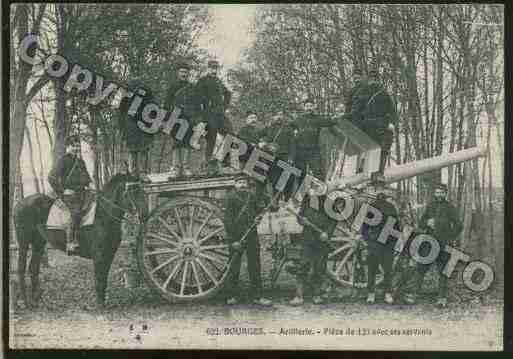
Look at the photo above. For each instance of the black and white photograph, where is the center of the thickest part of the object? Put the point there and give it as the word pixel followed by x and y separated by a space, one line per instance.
pixel 254 176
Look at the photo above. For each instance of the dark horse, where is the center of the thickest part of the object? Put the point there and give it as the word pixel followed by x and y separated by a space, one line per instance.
pixel 98 242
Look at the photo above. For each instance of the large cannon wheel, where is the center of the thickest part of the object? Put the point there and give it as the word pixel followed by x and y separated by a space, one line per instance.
pixel 183 250
pixel 347 259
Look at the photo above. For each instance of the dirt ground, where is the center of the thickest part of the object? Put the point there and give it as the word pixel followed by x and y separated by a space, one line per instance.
pixel 139 318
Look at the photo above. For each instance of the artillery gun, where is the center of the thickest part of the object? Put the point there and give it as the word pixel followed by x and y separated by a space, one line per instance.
pixel 347 258
pixel 185 254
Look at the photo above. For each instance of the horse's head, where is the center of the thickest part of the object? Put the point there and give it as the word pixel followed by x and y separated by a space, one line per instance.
pixel 126 193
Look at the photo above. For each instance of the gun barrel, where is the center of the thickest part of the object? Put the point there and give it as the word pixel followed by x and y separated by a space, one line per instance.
pixel 415 168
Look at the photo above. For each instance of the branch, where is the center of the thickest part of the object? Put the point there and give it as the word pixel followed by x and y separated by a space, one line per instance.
pixel 40 83
pixel 37 22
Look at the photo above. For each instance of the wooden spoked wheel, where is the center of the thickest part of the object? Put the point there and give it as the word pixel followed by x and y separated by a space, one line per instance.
pixel 183 250
pixel 347 259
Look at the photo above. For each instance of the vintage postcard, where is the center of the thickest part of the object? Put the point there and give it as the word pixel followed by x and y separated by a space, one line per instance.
pixel 256 176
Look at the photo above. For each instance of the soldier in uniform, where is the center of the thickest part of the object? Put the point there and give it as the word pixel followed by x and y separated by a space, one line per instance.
pixel 306 153
pixel 69 179
pixel 305 142
pixel 311 270
pixel 214 98
pixel 355 91
pixel 252 133
pixel 373 111
pixel 138 142
pixel 180 94
pixel 441 221
pixel 378 253
pixel 242 208
pixel 278 141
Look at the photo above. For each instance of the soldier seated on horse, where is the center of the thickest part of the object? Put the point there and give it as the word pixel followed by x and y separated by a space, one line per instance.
pixel 69 179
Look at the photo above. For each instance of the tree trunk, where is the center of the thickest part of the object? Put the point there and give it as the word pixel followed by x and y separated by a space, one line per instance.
pixel 35 177
pixel 95 149
pixel 467 207
pixel 60 130
pixel 41 162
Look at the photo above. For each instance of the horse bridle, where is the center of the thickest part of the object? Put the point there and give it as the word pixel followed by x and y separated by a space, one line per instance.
pixel 122 195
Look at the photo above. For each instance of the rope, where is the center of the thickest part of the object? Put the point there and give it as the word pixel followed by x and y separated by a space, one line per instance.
pixel 102 197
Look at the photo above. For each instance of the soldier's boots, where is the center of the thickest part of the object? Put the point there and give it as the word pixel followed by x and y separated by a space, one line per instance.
pixel 173 172
pixel 185 168
pixel 371 298
pixel 72 244
pixel 263 302
pixel 232 301
pixel 389 299
pixel 317 300
pixel 410 299
pixel 187 171
pixel 297 301
pixel 441 302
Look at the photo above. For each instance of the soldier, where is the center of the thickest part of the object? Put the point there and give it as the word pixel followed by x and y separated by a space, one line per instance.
pixel 441 221
pixel 69 179
pixel 138 142
pixel 252 134
pixel 378 253
pixel 311 269
pixel 180 162
pixel 305 143
pixel 306 155
pixel 373 111
pixel 355 91
pixel 214 98
pixel 242 208
pixel 278 141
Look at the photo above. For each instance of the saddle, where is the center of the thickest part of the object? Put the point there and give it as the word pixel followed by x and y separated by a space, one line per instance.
pixel 60 215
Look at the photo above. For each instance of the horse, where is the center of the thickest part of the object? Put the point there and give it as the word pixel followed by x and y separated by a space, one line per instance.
pixel 98 242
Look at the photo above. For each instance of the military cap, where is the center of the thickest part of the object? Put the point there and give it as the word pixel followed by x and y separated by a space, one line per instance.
pixel 213 63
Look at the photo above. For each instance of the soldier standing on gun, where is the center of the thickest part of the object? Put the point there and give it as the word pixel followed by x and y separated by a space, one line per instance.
pixel 441 221
pixel 69 179
pixel 356 90
pixel 214 98
pixel 373 111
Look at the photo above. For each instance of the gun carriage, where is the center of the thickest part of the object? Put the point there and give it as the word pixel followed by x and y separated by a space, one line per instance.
pixel 184 253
